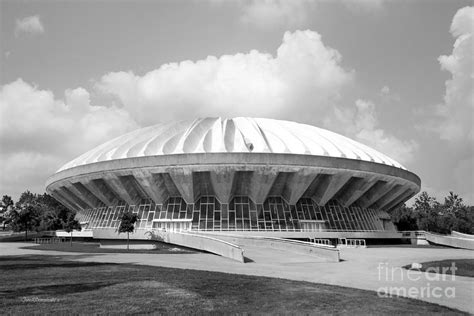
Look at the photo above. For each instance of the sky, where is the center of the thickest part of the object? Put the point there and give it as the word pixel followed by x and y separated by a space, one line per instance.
pixel 394 75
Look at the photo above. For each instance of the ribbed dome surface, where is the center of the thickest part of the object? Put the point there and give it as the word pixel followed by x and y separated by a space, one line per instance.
pixel 241 134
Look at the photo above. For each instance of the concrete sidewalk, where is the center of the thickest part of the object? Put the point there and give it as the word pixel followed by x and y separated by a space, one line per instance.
pixel 376 269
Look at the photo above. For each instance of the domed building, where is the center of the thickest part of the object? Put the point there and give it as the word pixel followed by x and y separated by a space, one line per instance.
pixel 252 176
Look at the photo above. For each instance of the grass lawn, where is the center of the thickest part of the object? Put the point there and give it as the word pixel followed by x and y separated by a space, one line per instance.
pixel 52 284
pixel 95 248
pixel 465 267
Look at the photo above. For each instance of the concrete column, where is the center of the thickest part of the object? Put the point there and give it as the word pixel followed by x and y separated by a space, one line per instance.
pixel 377 191
pixel 71 198
pixel 337 182
pixel 299 183
pixel 390 196
pixel 183 181
pixel 87 194
pixel 152 185
pixel 359 188
pixel 202 184
pixel 397 200
pixel 55 194
pixel 99 188
pixel 222 181
pixel 79 195
pixel 260 184
pixel 119 189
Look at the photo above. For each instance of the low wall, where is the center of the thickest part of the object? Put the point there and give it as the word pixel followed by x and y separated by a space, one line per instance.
pixel 461 235
pixel 329 253
pixel 75 233
pixel 465 243
pixel 308 235
pixel 206 243
pixel 199 242
pixel 122 244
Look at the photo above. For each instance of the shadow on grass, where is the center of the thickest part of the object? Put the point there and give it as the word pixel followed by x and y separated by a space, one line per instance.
pixel 9 263
pixel 457 267
pixel 88 247
pixel 108 288
pixel 56 289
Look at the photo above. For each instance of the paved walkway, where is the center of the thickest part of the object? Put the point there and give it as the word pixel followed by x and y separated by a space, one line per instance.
pixel 376 269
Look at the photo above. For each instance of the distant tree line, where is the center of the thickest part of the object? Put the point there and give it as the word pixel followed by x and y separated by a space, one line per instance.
pixel 36 212
pixel 430 215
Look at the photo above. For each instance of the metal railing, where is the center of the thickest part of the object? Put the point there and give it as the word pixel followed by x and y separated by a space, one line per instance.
pixel 321 241
pixel 54 240
pixel 351 243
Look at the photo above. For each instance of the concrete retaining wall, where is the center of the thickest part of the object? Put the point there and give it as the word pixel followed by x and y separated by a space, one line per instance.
pixel 465 243
pixel 461 235
pixel 206 243
pixel 199 242
pixel 328 253
pixel 122 244
pixel 75 234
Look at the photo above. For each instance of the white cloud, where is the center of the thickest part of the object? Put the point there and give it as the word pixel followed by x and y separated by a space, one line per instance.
pixel 456 114
pixel 39 133
pixel 268 14
pixel 361 123
pixel 385 90
pixel 303 79
pixel 364 5
pixel 31 24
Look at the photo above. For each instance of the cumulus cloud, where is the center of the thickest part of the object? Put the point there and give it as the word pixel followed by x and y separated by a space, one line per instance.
pixel 39 133
pixel 361 123
pixel 30 24
pixel 304 78
pixel 291 14
pixel 268 14
pixel 456 113
pixel 302 82
pixel 364 5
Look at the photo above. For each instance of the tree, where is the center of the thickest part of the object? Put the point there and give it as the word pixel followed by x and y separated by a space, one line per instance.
pixel 404 218
pixel 25 217
pixel 453 203
pixel 424 203
pixel 71 224
pixel 127 225
pixel 6 206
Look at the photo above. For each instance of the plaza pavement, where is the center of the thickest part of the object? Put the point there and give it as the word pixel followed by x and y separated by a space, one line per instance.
pixel 376 269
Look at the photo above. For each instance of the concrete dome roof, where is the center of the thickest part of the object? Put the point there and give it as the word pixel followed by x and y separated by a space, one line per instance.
pixel 236 135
